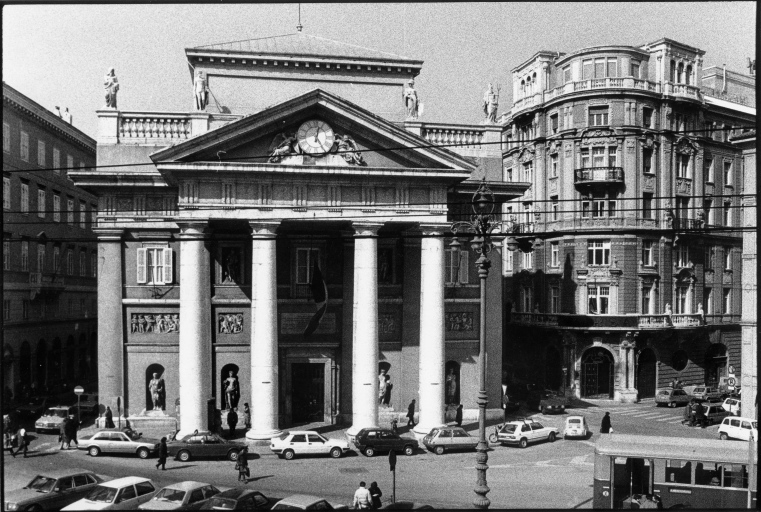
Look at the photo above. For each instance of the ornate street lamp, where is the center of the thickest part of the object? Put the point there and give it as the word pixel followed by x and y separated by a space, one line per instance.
pixel 481 224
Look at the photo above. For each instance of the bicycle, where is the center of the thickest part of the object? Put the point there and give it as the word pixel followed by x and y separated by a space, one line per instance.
pixel 494 437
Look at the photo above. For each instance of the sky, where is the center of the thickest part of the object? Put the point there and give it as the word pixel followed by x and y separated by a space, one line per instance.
pixel 58 54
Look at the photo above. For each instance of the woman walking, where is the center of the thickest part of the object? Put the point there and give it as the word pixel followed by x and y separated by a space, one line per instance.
pixel 605 427
pixel 109 418
pixel 242 465
pixel 375 495
pixel 162 455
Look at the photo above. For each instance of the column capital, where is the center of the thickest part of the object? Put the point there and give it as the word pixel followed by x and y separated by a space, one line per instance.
pixel 433 229
pixel 263 229
pixel 365 229
pixel 193 230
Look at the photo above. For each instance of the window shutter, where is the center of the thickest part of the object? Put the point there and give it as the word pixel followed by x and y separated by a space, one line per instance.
pixel 141 266
pixel 167 265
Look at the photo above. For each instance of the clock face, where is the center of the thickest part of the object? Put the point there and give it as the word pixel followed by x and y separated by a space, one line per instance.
pixel 315 137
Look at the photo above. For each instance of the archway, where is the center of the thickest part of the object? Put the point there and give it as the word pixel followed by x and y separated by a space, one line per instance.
pixel 159 370
pixel 715 364
pixel 38 384
pixel 646 376
pixel 553 369
pixel 597 373
pixel 224 375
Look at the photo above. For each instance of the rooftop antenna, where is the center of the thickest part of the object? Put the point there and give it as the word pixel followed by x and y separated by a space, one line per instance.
pixel 299 26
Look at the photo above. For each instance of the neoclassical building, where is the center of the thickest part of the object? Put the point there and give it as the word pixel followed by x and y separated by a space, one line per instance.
pixel 635 274
pixel 213 225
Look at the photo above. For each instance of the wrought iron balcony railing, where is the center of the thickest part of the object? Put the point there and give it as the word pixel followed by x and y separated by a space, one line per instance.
pixel 599 175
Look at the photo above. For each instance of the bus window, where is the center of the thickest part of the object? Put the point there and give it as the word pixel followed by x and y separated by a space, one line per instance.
pixel 707 473
pixel 602 467
pixel 736 475
pixel 678 472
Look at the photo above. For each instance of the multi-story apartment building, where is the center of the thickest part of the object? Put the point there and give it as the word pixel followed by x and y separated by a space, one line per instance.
pixel 634 275
pixel 49 252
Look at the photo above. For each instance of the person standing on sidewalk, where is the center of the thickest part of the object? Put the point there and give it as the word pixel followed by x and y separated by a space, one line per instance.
pixel 246 416
pixel 232 421
pixel 242 465
pixel 362 498
pixel 411 414
pixel 63 436
pixel 71 431
pixel 375 495
pixel 23 444
pixel 162 455
pixel 109 418
pixel 605 426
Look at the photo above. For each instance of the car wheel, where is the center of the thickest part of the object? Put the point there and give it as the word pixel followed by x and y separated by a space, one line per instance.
pixel 184 455
pixel 439 450
pixel 94 451
pixel 143 453
pixel 232 455
pixel 493 438
pixel 335 453
pixel 672 404
pixel 523 443
pixel 289 454
pixel 369 452
pixel 409 450
pixel 551 437
pixel 723 436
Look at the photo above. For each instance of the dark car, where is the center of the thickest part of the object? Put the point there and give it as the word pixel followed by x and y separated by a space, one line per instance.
pixel 32 407
pixel 52 490
pixel 203 444
pixel 238 499
pixel 372 440
pixel 549 401
pixel 439 440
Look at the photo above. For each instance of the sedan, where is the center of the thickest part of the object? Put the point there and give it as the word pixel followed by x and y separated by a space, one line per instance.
pixel 121 494
pixel 307 442
pixel 671 397
pixel 525 431
pixel 52 490
pixel 181 496
pixel 238 499
pixel 444 439
pixel 306 502
pixel 53 418
pixel 203 444
pixel 118 441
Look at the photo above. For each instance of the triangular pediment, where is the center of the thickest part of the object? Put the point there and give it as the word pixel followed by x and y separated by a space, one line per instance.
pixel 255 138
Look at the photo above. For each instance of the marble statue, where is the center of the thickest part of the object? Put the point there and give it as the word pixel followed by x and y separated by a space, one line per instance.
pixel 348 149
pixel 490 104
pixel 111 86
pixel 700 309
pixel 451 386
pixel 381 385
pixel 232 390
pixel 411 100
pixel 200 90
pixel 283 145
pixel 156 387
pixel 668 310
pixel 231 266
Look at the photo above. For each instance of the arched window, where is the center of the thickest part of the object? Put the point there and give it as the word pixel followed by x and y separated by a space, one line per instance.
pixel 452 383
pixel 688 76
pixel 672 73
pixel 680 73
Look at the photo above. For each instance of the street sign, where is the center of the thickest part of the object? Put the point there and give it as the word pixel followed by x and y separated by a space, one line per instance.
pixel 79 390
pixel 731 382
pixel 392 460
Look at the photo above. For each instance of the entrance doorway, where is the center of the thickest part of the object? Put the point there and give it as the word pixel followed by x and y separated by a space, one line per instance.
pixel 597 374
pixel 715 364
pixel 308 392
pixel 553 378
pixel 646 373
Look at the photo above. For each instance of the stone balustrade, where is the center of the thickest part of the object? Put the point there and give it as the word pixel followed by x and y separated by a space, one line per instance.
pixel 653 321
pixel 153 128
pixel 469 137
pixel 625 321
pixel 686 320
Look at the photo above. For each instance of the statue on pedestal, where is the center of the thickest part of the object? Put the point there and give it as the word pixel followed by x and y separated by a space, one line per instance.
pixel 411 100
pixel 156 387
pixel 490 104
pixel 200 90
pixel 111 86
pixel 232 390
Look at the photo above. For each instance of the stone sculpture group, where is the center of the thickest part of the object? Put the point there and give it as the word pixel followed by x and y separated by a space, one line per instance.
pixel 159 323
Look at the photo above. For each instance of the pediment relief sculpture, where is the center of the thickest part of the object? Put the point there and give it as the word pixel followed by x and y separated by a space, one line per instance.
pixel 686 146
pixel 553 147
pixel 526 155
pixel 598 138
pixel 289 144
pixel 283 145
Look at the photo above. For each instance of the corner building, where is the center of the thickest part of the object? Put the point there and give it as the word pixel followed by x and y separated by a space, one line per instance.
pixel 633 215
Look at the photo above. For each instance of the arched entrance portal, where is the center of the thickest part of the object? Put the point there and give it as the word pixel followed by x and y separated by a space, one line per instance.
pixel 646 377
pixel 597 374
pixel 715 364
pixel 553 377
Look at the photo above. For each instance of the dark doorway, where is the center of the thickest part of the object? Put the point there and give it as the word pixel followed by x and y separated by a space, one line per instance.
pixel 715 364
pixel 597 374
pixel 646 378
pixel 553 378
pixel 308 392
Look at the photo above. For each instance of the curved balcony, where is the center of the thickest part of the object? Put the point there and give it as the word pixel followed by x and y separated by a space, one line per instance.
pixel 622 321
pixel 599 175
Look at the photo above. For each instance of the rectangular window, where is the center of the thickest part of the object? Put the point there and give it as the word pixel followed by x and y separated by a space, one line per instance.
pixel 585 158
pixel 25 309
pixel 56 160
pixel 647 205
pixel 555 207
pixel 646 296
pixel 727 301
pixel 647 160
pixel 70 211
pixel 678 472
pixel 6 309
pixel 566 74
pixel 24 146
pixel 527 299
pixel 82 264
pixel 41 153
pixel 727 173
pixel 94 265
pixel 612 204
pixel 528 172
pixel 598 116
pixel 69 162
pixel 710 256
pixel 528 260
pixel 6 255
pixel 727 214
pixel 598 299
pixel 82 215
pixel 708 208
pixel 6 193
pixel 56 259
pixel 682 207
pixel 41 258
pixel 598 157
pixel 555 254
pixel 727 258
pixel 507 258
pixel 93 215
pixel 41 203
pixel 598 252
pixel 6 138
pixel 554 299
pixel 598 207
pixel 708 300
pixel 587 69
pixel 709 169
pixel 553 166
pixel 682 256
pixel 554 123
pixel 456 267
pixel 647 117
pixel 682 166
pixel 304 264
pixel 56 208
pixel 154 265
pixel 24 256
pixel 69 262
pixel 612 69
pixel 24 198
pixel 508 174
pixel 635 68
pixel 647 253
pixel 599 68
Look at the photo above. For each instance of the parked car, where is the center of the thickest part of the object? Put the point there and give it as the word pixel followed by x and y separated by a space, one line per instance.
pixel 307 442
pixel 306 502
pixel 238 499
pixel 121 494
pixel 181 496
pixel 671 397
pixel 706 393
pixel 88 403
pixel 371 440
pixel 32 407
pixel 728 386
pixel 52 490
pixel 715 413
pixel 203 444
pixel 738 428
pixel 576 426
pixel 523 432
pixel 732 406
pixel 119 441
pixel 549 401
pixel 53 417
pixel 405 505
pixel 448 439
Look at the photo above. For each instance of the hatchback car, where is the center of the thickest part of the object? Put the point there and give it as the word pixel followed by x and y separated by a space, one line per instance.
pixel 181 496
pixel 671 397
pixel 706 393
pixel 738 428
pixel 118 441
pixel 576 426
pixel 372 440
pixel 52 490
pixel 53 417
pixel 203 444
pixel 238 499
pixel 523 432
pixel 448 439
pixel 307 442
pixel 121 494
pixel 732 406
pixel 715 413
pixel 306 502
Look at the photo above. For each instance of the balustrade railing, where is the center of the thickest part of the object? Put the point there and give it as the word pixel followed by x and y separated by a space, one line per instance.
pixel 685 224
pixel 595 83
pixel 686 320
pixel 635 321
pixel 134 125
pixel 38 280
pixel 463 137
pixel 599 174
pixel 653 321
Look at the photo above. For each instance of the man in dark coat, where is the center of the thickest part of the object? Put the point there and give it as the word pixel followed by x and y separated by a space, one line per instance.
pixel 605 427
pixel 71 430
pixel 700 415
pixel 162 454
pixel 109 418
pixel 232 420
pixel 458 416
pixel 411 414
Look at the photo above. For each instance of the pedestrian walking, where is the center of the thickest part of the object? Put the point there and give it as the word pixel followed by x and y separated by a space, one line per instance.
pixel 71 431
pixel 700 415
pixel 693 412
pixel 162 455
pixel 246 416
pixel 375 495
pixel 109 418
pixel 63 434
pixel 242 465
pixel 411 414
pixel 686 416
pixel 232 420
pixel 23 442
pixel 605 427
pixel 362 498
pixel 394 425
pixel 458 416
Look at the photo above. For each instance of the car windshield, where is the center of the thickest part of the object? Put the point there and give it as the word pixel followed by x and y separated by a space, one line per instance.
pixel 41 483
pixel 286 506
pixel 434 432
pixel 216 438
pixel 664 392
pixel 132 434
pixel 60 413
pixel 221 504
pixel 102 494
pixel 574 420
pixel 508 429
pixel 167 494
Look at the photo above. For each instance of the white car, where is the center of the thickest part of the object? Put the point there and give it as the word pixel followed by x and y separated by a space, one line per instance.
pixel 121 494
pixel 523 432
pixel 738 428
pixel 306 502
pixel 53 417
pixel 181 495
pixel 732 405
pixel 307 442
pixel 576 426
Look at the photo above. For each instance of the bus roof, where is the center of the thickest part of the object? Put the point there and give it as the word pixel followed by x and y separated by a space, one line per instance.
pixel 679 448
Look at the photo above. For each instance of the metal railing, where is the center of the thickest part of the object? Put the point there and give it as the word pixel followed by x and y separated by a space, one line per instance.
pixel 588 174
pixel 630 321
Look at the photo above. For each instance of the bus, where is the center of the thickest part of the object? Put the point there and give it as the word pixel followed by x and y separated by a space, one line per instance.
pixel 679 472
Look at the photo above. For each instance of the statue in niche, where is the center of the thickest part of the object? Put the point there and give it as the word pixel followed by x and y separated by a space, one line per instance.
pixel 200 90
pixel 700 310
pixel 283 145
pixel 385 263
pixel 231 265
pixel 381 385
pixel 224 325
pixel 348 149
pixel 411 100
pixel 232 390
pixel 490 104
pixel 111 86
pixel 156 387
pixel 668 310
pixel 451 386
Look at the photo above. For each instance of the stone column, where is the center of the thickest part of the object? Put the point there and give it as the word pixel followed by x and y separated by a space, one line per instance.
pixel 431 360
pixel 110 329
pixel 195 329
pixel 264 357
pixel 365 329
